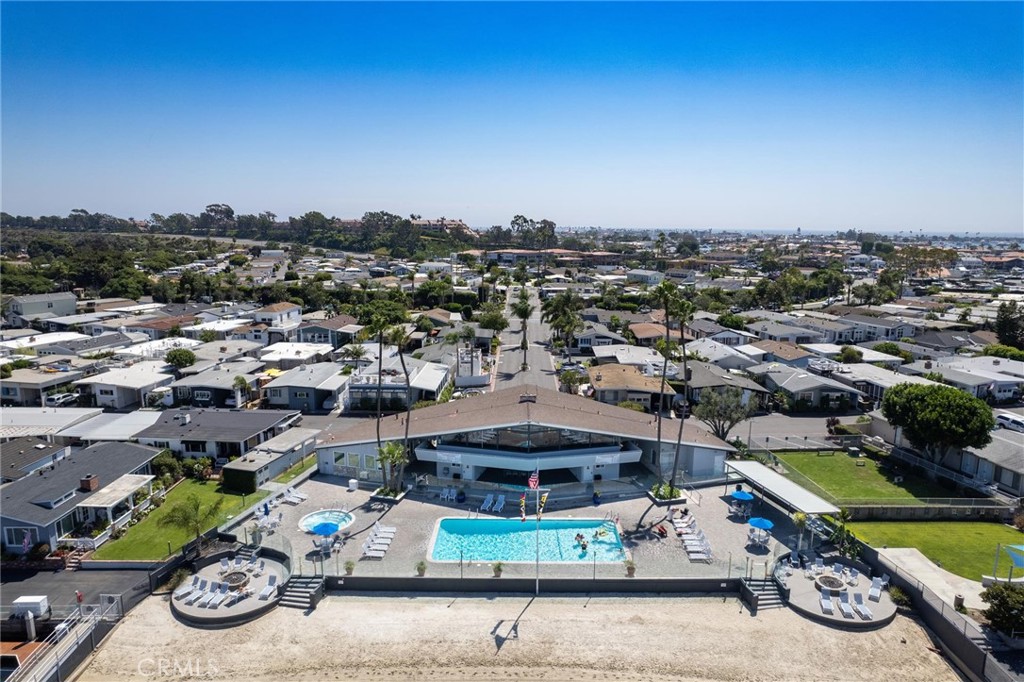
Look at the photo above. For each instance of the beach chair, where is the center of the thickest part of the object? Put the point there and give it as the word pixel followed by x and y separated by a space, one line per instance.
pixel 860 607
pixel 854 576
pixel 296 494
pixel 379 543
pixel 197 593
pixel 259 569
pixel 844 604
pixel 291 499
pixel 819 566
pixel 224 567
pixel 371 553
pixel 875 593
pixel 837 570
pixel 208 597
pixel 488 503
pixel 884 581
pixel 187 589
pixel 270 588
pixel 826 604
pixel 219 597
pixel 685 522
pixel 704 556
pixel 381 529
pixel 499 505
pixel 794 559
pixel 239 563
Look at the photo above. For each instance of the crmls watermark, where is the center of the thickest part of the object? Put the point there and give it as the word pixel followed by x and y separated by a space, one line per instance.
pixel 177 667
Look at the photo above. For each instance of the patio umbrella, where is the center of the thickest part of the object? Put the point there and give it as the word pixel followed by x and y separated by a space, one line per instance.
pixel 325 528
pixel 742 495
pixel 763 524
pixel 266 509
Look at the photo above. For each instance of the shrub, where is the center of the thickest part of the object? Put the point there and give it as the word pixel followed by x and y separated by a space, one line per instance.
pixel 1018 521
pixel 1005 610
pixel 632 405
pixel 899 597
pixel 665 491
pixel 40 550
pixel 177 578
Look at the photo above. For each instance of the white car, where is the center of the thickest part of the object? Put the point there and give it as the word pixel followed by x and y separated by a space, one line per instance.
pixel 61 399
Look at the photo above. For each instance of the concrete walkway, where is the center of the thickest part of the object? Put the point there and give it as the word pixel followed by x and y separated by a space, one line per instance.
pixel 940 581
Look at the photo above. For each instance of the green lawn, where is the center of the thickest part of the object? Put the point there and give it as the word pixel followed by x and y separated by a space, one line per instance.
pixel 839 476
pixel 966 548
pixel 148 540
pixel 288 475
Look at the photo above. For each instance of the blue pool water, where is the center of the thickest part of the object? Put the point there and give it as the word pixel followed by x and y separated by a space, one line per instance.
pixel 326 521
pixel 512 540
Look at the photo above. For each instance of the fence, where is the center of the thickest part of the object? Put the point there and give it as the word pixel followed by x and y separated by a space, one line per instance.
pixel 70 643
pixel 960 638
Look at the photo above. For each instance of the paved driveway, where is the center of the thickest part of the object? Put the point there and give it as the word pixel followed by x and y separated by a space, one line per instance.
pixel 60 586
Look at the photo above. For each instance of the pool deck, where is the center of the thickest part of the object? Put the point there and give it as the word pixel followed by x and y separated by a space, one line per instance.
pixel 416 517
pixel 237 612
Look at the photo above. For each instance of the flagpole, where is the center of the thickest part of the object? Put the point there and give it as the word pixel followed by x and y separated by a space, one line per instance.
pixel 537 530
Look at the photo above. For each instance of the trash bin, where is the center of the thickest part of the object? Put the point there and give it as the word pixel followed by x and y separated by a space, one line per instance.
pixel 353 484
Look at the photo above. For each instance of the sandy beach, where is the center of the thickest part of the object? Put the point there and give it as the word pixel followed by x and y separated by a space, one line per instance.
pixel 459 637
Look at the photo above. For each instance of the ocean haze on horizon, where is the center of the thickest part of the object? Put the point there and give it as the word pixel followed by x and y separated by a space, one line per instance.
pixel 877 117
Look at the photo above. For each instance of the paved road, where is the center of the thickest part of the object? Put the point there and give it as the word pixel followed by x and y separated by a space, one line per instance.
pixel 541 370
pixel 60 586
pixel 779 426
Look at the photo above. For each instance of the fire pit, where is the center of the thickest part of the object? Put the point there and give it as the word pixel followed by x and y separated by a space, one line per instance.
pixel 236 580
pixel 830 584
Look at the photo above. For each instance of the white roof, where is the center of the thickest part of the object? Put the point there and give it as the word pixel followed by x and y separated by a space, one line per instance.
pixel 834 349
pixel 221 325
pixel 159 348
pixel 111 426
pixel 117 490
pixel 140 375
pixel 40 421
pixel 430 377
pixel 290 351
pixel 289 440
pixel 779 486
pixel 42 340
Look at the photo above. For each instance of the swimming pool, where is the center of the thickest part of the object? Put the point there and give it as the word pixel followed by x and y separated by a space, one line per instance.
pixel 326 521
pixel 512 540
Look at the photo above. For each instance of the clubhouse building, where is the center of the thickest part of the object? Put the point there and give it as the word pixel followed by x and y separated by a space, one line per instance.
pixel 502 437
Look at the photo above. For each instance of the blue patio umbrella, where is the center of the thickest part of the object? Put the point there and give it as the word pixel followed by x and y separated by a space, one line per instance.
pixel 742 495
pixel 266 509
pixel 325 528
pixel 763 524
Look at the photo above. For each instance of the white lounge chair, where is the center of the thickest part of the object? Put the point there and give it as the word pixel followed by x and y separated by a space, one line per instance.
pixel 837 570
pixel 224 567
pixel 197 593
pixel 371 553
pixel 221 595
pixel 844 604
pixel 826 604
pixel 684 523
pixel 860 607
pixel 208 597
pixel 270 588
pixel 701 556
pixel 875 593
pixel 499 505
pixel 854 575
pixel 295 493
pixel 819 566
pixel 884 581
pixel 447 494
pixel 239 563
pixel 794 559
pixel 187 589
pixel 377 544
pixel 250 565
pixel 384 530
pixel 260 569
pixel 488 501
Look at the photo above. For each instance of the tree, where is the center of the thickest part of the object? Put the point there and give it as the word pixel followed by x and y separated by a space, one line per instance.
pixel 180 358
pixel 241 386
pixel 890 348
pixel 392 458
pixel 494 321
pixel 1000 351
pixel 1010 325
pixel 722 410
pixel 191 516
pixel 849 355
pixel 1005 610
pixel 398 337
pixel 166 463
pixel 207 335
pixel 938 419
pixel 632 405
pixel 570 380
pixel 523 310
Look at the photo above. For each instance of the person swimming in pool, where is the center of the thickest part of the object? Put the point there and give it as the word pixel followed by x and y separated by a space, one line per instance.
pixel 584 546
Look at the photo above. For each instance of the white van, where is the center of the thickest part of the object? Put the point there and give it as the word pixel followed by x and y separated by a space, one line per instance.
pixel 1010 421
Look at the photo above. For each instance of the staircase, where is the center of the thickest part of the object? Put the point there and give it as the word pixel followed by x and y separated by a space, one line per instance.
pixel 74 560
pixel 768 596
pixel 248 551
pixel 302 592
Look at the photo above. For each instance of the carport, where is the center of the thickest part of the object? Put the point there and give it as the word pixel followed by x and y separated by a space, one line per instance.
pixel 787 493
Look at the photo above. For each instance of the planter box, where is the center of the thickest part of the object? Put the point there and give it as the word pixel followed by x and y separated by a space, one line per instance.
pixel 675 501
pixel 388 500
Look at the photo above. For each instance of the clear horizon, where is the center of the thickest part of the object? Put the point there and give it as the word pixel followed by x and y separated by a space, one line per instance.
pixel 749 117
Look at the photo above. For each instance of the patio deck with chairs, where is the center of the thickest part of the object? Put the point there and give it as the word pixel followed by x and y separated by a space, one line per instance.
pixel 217 596
pixel 839 595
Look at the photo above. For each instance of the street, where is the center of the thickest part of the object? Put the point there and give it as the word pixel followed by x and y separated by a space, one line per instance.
pixel 541 370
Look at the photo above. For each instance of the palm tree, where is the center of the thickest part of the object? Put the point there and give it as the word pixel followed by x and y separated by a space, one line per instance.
pixel 392 457
pixel 354 352
pixel 667 296
pixel 397 336
pixel 190 515
pixel 378 327
pixel 562 312
pixel 684 313
pixel 523 310
pixel 240 384
pixel 800 523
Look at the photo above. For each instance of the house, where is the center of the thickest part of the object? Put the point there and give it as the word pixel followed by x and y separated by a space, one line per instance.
pixel 440 317
pixel 271 459
pixel 124 387
pixel 36 340
pixel 873 381
pixel 158 348
pixel 288 355
pixel 427 381
pixel 108 426
pixel 649 278
pixel 336 331
pixel 95 489
pixel 103 343
pixel 805 390
pixel 832 351
pixel 649 361
pixel 18 422
pixel 28 387
pixel 720 354
pixel 948 343
pixel 311 389
pixel 776 351
pixel 916 352
pixel 612 384
pixel 981 383
pixel 830 331
pixel 159 328
pixel 219 434
pixel 707 377
pixel 594 334
pixel 24 456
pixel 867 328
pixel 706 329
pixel 87 323
pixel 649 334
pixel 282 320
pixel 505 435
pixel 22 311
pixel 215 387
pixel 221 329
pixel 776 331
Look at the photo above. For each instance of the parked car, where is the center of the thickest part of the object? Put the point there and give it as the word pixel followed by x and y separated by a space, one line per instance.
pixel 1010 421
pixel 62 399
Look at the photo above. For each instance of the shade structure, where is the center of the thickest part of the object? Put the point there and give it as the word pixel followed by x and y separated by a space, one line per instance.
pixel 791 495
pixel 742 495
pixel 325 528
pixel 763 524
pixel 1016 553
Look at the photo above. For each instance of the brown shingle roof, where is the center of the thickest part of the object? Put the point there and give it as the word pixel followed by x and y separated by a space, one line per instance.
pixel 786 351
pixel 625 377
pixel 277 307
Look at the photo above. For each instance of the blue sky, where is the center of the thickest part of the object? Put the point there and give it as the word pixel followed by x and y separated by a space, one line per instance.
pixel 730 115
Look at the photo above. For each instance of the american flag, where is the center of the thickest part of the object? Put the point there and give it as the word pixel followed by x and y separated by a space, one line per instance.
pixel 534 481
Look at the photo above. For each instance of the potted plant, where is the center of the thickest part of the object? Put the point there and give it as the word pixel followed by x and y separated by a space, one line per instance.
pixel 498 567
pixel 349 567
pixel 630 567
pixel 421 567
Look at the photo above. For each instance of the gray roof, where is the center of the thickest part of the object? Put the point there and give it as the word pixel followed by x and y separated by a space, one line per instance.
pixel 888 323
pixel 796 380
pixel 706 375
pixel 216 425
pixel 35 298
pixel 310 376
pixel 94 343
pixel 17 454
pixel 106 461
pixel 112 426
pixel 222 376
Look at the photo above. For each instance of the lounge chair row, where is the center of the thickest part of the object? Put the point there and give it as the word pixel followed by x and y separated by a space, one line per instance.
pixel 197 593
pixel 449 494
pixel 491 505
pixel 696 544
pixel 241 564
pixel 828 604
pixel 377 545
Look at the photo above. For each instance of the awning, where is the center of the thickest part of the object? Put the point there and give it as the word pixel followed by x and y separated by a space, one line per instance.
pixel 780 487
